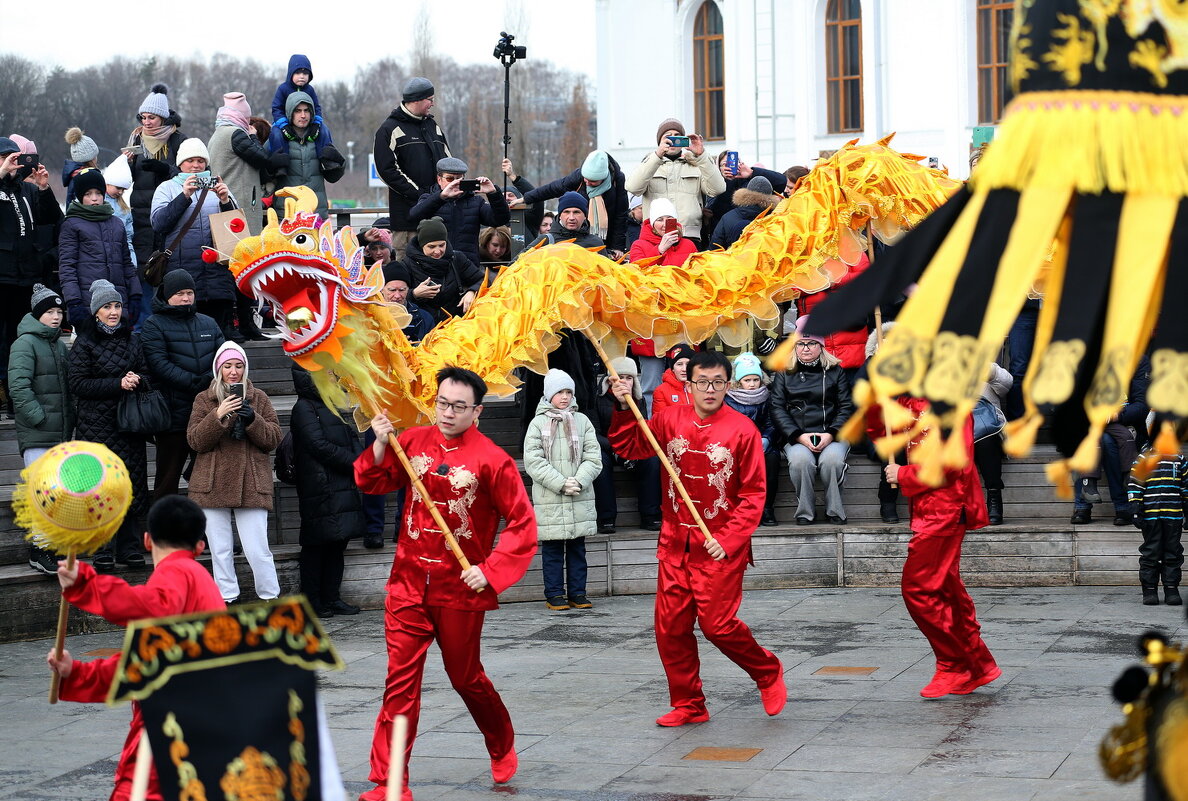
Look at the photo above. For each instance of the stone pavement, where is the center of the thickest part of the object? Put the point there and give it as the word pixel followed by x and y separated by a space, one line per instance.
pixel 584 687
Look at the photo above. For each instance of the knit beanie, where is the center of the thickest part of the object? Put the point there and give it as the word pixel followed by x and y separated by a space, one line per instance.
pixel 678 352
pixel 102 293
pixel 383 235
pixel 156 102
pixel 226 352
pixel 556 380
pixel 596 167
pixel 760 184
pixel 118 173
pixel 747 364
pixel 669 125
pixel 88 179
pixel 236 101
pixel 82 147
pixel 193 148
pixel 634 202
pixel 417 89
pixel 396 271
pixel 573 200
pixel 26 145
pixel 45 299
pixel 451 164
pixel 431 230
pixel 8 146
pixel 801 322
pixel 661 207
pixel 175 281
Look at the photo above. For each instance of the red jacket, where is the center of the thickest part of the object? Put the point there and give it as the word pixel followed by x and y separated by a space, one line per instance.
pixel 176 586
pixel 720 462
pixel 936 508
pixel 671 392
pixel 474 483
pixel 646 247
pixel 849 345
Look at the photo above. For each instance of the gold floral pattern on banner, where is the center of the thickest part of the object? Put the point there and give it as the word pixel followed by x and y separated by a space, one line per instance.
pixel 190 787
pixel 253 776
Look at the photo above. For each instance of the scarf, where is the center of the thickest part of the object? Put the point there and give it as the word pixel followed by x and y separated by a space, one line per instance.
pixel 598 219
pixel 156 144
pixel 565 416
pixel 108 329
pixel 229 117
pixel 749 397
pixel 98 213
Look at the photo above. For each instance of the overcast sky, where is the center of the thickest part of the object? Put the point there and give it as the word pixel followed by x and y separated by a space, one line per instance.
pixel 465 29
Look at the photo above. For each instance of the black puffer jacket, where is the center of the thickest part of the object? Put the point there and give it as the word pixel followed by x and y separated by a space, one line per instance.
pixel 147 175
pixel 463 216
pixel 406 152
pixel 97 363
pixel 810 400
pixel 725 201
pixel 615 199
pixel 179 347
pixel 582 237
pixel 89 250
pixel 324 450
pixel 24 210
pixel 456 274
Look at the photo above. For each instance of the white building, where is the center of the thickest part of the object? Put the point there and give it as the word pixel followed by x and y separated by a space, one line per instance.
pixel 782 80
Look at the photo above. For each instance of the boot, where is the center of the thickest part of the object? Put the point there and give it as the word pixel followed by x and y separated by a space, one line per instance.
pixel 888 511
pixel 994 506
pixel 1171 595
pixel 771 461
pixel 1150 596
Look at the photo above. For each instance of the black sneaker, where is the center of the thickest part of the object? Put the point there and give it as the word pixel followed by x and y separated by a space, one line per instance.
pixel 373 541
pixel 651 525
pixel 43 561
pixel 768 519
pixel 606 528
pixel 103 563
pixel 341 607
pixel 582 602
pixel 1081 516
pixel 1089 490
pixel 1123 518
pixel 132 560
pixel 324 612
pixel 557 603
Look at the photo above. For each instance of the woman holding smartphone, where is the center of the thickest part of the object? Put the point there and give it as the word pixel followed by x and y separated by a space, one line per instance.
pixel 809 403
pixel 233 429
pixel 662 235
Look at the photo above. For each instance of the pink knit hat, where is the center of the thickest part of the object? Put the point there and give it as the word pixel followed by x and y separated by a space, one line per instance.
pixel 26 145
pixel 226 352
pixel 801 322
pixel 236 101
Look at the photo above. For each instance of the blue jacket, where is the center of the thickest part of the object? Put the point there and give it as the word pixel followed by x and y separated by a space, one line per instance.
pixel 296 62
pixel 89 250
pixel 725 201
pixel 422 321
pixel 179 348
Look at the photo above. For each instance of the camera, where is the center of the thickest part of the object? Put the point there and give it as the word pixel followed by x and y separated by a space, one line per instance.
pixel 469 185
pixel 206 181
pixel 506 51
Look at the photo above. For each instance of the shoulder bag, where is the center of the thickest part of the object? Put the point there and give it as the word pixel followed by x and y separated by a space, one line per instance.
pixel 158 263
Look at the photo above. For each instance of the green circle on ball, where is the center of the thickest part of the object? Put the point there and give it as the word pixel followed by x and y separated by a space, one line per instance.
pixel 80 472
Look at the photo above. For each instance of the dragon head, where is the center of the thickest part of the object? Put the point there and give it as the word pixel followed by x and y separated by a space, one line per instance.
pixel 309 273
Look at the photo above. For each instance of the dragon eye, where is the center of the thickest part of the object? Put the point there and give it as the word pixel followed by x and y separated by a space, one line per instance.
pixel 304 242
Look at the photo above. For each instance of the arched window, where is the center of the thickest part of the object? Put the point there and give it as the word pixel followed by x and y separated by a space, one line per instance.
pixel 843 65
pixel 709 85
pixel 994 34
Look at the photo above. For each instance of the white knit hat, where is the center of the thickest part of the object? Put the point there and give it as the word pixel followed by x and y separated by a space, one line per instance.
pixel 661 207
pixel 118 173
pixel 192 148
pixel 556 380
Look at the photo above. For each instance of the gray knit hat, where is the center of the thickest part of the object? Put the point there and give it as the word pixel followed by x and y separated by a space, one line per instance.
pixel 156 102
pixel 451 164
pixel 82 147
pixel 760 184
pixel 44 299
pixel 102 293
pixel 417 89
pixel 556 380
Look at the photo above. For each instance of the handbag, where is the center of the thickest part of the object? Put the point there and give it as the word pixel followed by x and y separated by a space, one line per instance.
pixel 988 419
pixel 143 412
pixel 226 236
pixel 158 263
pixel 285 463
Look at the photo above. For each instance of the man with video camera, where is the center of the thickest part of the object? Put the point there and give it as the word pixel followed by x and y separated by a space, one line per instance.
pixel 461 206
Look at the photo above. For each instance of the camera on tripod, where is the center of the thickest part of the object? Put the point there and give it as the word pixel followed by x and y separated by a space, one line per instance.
pixel 506 51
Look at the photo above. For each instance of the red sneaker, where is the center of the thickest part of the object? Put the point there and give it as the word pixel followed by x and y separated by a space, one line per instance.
pixel 504 768
pixel 380 792
pixel 680 716
pixel 774 695
pixel 977 681
pixel 943 683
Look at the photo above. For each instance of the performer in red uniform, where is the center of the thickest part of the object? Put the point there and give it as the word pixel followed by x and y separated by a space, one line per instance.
pixel 718 454
pixel 932 588
pixel 177 585
pixel 474 483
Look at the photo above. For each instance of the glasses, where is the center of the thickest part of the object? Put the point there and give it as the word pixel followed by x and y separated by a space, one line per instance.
pixel 808 343
pixel 704 384
pixel 459 407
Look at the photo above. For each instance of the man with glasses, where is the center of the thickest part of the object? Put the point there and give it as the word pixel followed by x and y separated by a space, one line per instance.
pixel 718 455
pixel 474 483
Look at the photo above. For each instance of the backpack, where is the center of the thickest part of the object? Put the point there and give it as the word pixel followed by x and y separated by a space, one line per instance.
pixel 286 466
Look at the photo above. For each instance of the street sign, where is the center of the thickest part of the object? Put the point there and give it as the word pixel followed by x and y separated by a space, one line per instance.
pixel 373 176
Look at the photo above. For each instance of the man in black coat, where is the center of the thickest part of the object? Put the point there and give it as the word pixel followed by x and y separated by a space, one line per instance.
pixel 598 177
pixel 463 213
pixel 179 346
pixel 408 145
pixel 24 205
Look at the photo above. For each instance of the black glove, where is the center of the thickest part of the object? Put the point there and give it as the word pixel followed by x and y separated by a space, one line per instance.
pixel 77 312
pixel 331 157
pixel 767 346
pixel 279 160
pixel 155 166
pixel 247 414
pixel 1136 513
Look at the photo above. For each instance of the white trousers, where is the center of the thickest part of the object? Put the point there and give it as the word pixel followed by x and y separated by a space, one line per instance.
pixel 252 525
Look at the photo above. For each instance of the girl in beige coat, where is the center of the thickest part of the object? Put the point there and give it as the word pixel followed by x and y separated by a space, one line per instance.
pixel 233 435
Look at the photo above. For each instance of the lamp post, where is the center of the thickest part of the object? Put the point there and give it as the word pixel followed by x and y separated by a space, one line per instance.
pixel 351 156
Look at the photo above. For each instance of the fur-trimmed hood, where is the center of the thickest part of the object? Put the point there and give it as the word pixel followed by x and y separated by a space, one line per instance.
pixel 872 341
pixel 748 197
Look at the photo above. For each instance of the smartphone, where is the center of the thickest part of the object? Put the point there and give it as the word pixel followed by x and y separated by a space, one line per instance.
pixel 470 185
pixel 678 141
pixel 27 160
pixel 135 150
pixel 236 390
pixel 815 439
pixel 732 162
pixel 672 224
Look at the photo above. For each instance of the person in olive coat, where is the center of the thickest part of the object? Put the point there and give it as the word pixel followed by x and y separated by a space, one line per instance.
pixel 331 506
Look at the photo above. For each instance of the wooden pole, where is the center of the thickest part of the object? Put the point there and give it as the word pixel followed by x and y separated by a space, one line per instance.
pixel 878 315
pixel 140 774
pixel 60 639
pixel 450 539
pixel 396 759
pixel 643 424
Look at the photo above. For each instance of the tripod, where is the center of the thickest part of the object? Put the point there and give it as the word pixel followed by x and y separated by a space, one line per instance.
pixel 508 54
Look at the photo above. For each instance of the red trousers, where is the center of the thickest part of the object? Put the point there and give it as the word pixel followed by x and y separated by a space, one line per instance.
pixel 936 599
pixel 409 630
pixel 685 594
